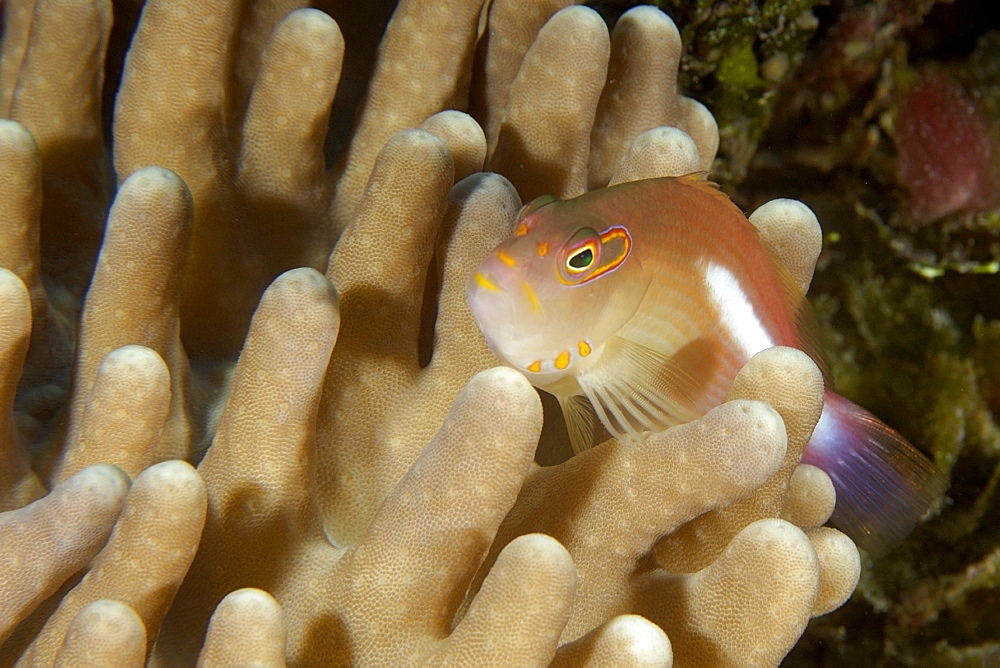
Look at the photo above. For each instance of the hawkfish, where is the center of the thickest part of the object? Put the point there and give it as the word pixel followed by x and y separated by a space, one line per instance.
pixel 637 305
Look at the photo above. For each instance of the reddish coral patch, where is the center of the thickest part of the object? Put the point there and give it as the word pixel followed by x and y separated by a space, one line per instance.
pixel 947 157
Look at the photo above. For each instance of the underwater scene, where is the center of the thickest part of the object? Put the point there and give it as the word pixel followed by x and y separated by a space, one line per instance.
pixel 499 332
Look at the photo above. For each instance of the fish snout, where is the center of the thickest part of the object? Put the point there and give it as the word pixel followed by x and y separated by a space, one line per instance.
pixel 490 301
pixel 496 275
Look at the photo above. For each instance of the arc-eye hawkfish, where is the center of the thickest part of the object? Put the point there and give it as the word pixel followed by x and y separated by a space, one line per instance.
pixel 638 304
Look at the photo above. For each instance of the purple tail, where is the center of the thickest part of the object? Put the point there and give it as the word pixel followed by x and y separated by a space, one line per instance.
pixel 883 483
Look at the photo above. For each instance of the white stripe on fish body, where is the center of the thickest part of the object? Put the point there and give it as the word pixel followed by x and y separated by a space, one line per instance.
pixel 735 312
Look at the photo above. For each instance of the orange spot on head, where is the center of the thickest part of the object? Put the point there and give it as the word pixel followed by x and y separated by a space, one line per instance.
pixel 543 249
pixel 506 259
pixel 584 348
pixel 521 229
pixel 535 366
pixel 562 360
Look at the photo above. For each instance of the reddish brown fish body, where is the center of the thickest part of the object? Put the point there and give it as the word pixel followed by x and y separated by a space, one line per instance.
pixel 639 303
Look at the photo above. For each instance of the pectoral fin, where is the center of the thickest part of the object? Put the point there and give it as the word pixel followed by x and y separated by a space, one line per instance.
pixel 637 389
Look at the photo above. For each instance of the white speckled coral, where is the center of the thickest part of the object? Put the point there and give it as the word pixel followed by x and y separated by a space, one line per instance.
pixel 379 406
pixel 145 559
pixel 734 460
pixel 721 616
pixel 480 455
pixel 642 94
pixel 543 145
pixel 57 97
pixel 792 232
pixel 595 502
pixel 46 542
pixel 247 628
pixel 626 639
pixel 50 353
pixel 104 633
pixel 405 89
pixel 259 169
pixel 134 299
pixel 124 413
pixel 661 151
pixel 18 483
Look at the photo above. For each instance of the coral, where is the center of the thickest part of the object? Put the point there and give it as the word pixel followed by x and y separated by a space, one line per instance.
pixel 59 101
pixel 256 174
pixel 159 528
pixel 610 531
pixel 247 627
pixel 380 434
pixel 360 466
pixel 104 632
pixel 18 483
pixel 52 538
pixel 129 339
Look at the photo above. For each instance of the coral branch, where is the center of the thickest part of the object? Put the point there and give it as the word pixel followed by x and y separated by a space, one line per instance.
pixel 61 532
pixel 156 535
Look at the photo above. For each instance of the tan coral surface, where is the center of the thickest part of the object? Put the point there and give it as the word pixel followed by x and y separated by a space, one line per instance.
pixel 361 465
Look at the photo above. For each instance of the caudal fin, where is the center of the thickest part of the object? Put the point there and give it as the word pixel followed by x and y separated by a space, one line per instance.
pixel 884 484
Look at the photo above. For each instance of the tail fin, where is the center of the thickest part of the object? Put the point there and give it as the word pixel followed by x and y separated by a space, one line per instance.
pixel 883 483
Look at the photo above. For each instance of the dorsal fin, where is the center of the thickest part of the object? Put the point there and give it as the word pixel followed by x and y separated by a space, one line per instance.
pixel 700 181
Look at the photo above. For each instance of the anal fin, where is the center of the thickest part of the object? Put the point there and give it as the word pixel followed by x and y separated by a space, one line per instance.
pixel 580 421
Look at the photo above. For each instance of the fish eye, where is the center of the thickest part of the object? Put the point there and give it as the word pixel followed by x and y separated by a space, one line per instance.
pixel 581 259
pixel 589 254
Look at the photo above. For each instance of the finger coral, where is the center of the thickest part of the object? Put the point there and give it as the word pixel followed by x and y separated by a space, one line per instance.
pixel 295 327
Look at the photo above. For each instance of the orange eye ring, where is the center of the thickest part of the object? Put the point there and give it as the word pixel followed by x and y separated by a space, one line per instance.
pixel 589 259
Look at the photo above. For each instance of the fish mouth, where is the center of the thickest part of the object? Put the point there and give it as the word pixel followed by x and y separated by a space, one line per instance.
pixel 493 276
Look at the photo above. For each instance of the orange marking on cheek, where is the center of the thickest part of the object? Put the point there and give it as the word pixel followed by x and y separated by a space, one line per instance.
pixel 584 348
pixel 562 360
pixel 484 282
pixel 521 229
pixel 543 249
pixel 535 366
pixel 506 259
pixel 536 306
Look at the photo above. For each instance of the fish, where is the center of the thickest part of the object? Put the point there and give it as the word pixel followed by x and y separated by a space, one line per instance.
pixel 637 304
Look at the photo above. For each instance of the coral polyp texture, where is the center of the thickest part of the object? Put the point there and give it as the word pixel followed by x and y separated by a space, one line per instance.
pixel 245 414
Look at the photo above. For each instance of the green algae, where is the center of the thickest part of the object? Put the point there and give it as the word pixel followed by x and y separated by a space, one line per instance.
pixel 736 57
